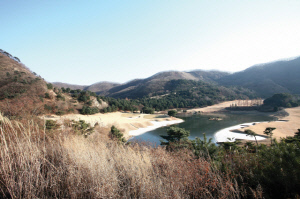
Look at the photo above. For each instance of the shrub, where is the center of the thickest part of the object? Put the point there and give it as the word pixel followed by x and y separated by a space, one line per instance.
pixel 116 134
pixel 147 110
pixel 172 113
pixel 47 107
pixel 49 86
pixel 86 110
pixel 47 95
pixel 60 112
pixel 50 124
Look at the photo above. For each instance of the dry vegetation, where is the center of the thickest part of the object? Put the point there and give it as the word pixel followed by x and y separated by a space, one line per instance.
pixel 35 163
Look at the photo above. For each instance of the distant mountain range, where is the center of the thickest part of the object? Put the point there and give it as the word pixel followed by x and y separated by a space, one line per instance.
pixel 264 79
pixel 268 79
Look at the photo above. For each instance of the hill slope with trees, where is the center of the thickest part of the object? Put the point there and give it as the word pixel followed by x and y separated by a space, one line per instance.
pixel 264 79
pixel 268 79
pixel 20 89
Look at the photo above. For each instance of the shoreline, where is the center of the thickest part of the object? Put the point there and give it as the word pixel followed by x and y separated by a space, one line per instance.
pixel 132 124
pixel 233 133
pixel 156 125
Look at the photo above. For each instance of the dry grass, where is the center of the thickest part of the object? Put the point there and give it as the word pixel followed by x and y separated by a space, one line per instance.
pixel 34 164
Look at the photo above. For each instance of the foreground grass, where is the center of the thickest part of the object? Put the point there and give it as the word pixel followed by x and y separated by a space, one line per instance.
pixel 60 164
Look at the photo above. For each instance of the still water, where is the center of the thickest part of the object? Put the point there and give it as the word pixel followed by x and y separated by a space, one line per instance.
pixel 199 124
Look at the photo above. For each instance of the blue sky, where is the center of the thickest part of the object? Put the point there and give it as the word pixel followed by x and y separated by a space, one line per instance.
pixel 84 42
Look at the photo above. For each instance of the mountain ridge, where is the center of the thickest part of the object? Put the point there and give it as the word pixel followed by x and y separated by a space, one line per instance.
pixel 265 79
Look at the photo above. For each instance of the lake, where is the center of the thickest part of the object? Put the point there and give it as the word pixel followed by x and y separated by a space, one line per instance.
pixel 199 124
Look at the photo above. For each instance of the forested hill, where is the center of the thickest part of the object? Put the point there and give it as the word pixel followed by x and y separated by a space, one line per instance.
pixel 268 79
pixel 188 93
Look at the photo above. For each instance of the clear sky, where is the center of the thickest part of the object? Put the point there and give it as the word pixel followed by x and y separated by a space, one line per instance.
pixel 84 42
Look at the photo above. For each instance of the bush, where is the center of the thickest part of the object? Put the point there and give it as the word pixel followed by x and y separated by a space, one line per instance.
pixel 51 124
pixel 86 110
pixel 49 86
pixel 47 107
pixel 116 134
pixel 47 95
pixel 60 97
pixel 172 113
pixel 60 113
pixel 147 110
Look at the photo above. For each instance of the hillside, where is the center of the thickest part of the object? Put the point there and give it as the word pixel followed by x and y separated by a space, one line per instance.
pixel 264 79
pixel 20 89
pixel 101 87
pixel 157 84
pixel 268 79
pixel 71 86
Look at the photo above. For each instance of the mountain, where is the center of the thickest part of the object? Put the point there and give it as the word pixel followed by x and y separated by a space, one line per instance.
pixel 101 87
pixel 156 84
pixel 138 88
pixel 268 79
pixel 264 79
pixel 71 86
pixel 20 89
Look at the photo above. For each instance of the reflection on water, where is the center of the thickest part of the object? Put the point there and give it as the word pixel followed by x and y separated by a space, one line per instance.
pixel 199 124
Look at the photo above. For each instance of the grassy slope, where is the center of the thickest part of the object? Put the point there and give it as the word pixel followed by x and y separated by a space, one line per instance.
pixel 37 164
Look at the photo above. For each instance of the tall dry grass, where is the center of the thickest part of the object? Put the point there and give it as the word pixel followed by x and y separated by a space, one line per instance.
pixel 63 165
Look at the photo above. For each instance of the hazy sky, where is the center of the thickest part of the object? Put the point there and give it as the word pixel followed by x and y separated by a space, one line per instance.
pixel 83 42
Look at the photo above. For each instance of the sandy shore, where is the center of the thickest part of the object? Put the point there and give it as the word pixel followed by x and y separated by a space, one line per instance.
pixel 135 124
pixel 126 122
pixel 283 129
pixel 224 134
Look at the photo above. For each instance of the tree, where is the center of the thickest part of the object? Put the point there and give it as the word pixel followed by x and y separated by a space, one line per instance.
pixel 148 110
pixel 205 148
pixel 172 113
pixel 251 133
pixel 176 138
pixel 269 132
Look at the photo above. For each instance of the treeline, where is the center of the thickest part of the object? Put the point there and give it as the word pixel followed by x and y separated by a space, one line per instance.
pixel 190 94
pixel 282 100
pixel 175 94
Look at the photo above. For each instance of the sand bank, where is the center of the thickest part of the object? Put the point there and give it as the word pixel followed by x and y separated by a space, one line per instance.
pixel 224 134
pixel 127 122
pixel 283 129
pixel 156 124
pixel 221 106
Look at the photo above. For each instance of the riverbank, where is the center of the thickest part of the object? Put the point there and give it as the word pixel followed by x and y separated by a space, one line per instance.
pixel 230 133
pixel 290 116
pixel 221 107
pixel 126 122
pixel 283 129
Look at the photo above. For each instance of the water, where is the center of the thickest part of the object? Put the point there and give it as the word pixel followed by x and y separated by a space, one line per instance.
pixel 199 124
